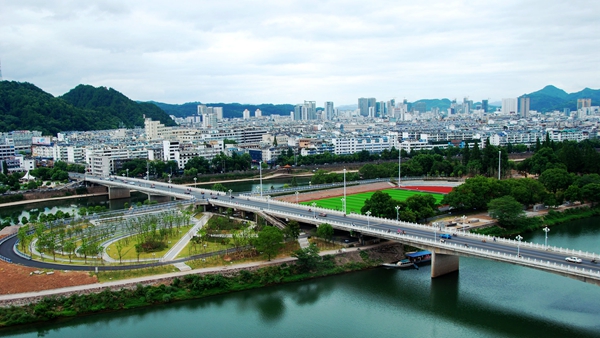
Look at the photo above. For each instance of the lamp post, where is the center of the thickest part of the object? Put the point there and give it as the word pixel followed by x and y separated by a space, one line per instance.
pixel 499 161
pixel 195 180
pixel 147 177
pixel 297 193
pixel 309 184
pixel 230 194
pixel 519 238
pixel 314 205
pixel 260 172
pixel 546 230
pixel 268 202
pixel 368 213
pixel 127 172
pixel 397 213
pixel 344 205
pixel 169 182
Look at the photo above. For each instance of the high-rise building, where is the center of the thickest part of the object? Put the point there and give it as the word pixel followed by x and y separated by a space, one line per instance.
pixel 306 111
pixel 201 109
pixel 484 105
pixel 524 102
pixel 364 104
pixel 329 110
pixel 584 103
pixel 509 106
pixel 467 105
pixel 246 114
pixel 257 113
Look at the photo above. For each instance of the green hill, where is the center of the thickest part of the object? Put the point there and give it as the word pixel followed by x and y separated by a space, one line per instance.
pixel 25 106
pixel 551 98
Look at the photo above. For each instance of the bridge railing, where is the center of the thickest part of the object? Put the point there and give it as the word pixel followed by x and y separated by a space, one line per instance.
pixel 464 233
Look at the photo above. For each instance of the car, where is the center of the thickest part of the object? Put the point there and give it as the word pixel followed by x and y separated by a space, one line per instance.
pixel 153 186
pixel 446 236
pixel 187 192
pixel 322 214
pixel 573 259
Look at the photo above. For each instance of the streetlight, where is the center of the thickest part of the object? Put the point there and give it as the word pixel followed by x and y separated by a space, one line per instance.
pixel 314 205
pixel 260 172
pixel 195 179
pixel 147 177
pixel 519 238
pixel 397 213
pixel 344 205
pixel 344 200
pixel 546 230
pixel 127 172
pixel 368 213
pixel 297 193
pixel 309 184
pixel 268 202
pixel 230 194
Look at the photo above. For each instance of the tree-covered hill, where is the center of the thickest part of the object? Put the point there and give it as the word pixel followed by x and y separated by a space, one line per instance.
pixel 230 110
pixel 25 106
pixel 551 98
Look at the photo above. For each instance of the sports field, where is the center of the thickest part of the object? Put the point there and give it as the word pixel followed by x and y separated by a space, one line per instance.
pixel 356 201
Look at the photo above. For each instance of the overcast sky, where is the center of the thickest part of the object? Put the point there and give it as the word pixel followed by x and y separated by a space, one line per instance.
pixel 276 51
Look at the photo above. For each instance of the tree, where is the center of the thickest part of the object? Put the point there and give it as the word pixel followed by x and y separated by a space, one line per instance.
pixel 556 179
pixel 269 241
pixel 507 210
pixel 70 247
pixel 219 187
pixel 380 205
pixel 292 230
pixel 325 231
pixel 308 258
pixel 591 192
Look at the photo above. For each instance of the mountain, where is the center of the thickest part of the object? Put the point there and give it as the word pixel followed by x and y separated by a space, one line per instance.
pixel 551 98
pixel 25 106
pixel 230 110
pixel 114 106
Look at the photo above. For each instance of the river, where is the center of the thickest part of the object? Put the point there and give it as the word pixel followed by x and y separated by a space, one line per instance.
pixel 485 299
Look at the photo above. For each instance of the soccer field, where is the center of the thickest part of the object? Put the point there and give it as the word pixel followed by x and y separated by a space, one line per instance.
pixel 356 201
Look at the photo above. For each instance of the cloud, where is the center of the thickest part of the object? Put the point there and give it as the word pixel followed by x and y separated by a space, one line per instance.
pixel 291 51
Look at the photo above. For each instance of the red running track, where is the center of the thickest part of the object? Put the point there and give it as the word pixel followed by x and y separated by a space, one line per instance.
pixel 428 188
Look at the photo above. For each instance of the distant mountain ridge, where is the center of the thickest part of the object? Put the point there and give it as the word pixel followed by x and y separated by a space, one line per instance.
pixel 551 98
pixel 25 106
pixel 230 110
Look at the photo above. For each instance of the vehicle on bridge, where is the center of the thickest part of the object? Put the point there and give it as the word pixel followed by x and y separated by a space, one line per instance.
pixel 322 214
pixel 573 259
pixel 153 186
pixel 446 236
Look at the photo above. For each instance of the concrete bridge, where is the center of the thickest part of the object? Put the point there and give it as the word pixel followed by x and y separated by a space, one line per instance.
pixel 445 254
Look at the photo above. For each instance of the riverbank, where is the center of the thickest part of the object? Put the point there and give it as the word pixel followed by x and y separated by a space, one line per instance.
pixel 46 305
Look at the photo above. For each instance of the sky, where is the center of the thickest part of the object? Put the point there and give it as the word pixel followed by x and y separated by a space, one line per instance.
pixel 277 51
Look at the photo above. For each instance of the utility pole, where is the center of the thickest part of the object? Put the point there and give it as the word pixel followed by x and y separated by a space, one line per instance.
pixel 499 161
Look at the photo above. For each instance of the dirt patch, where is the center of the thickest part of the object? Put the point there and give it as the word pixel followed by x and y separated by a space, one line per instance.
pixel 337 192
pixel 17 279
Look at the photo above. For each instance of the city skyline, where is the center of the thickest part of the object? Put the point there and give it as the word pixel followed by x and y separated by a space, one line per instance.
pixel 291 52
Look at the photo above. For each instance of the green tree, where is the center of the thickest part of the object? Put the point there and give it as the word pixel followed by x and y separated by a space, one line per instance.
pixel 380 205
pixel 269 241
pixel 325 231
pixel 591 193
pixel 219 187
pixel 308 258
pixel 556 179
pixel 292 230
pixel 507 210
pixel 69 248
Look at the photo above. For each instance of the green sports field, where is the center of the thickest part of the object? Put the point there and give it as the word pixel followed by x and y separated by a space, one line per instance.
pixel 356 201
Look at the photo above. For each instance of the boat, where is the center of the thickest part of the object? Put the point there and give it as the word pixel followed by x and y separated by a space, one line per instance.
pixel 402 264
pixel 419 258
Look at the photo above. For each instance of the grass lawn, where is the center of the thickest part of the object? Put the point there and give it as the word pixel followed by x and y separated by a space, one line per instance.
pixel 211 246
pixel 129 249
pixel 356 201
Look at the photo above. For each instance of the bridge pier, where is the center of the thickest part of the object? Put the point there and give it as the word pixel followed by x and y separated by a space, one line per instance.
pixel 442 264
pixel 116 193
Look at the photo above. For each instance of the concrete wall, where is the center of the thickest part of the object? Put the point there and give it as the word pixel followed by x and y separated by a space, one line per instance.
pixel 116 193
pixel 443 264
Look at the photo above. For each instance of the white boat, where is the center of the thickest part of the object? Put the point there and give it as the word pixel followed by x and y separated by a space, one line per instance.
pixel 402 264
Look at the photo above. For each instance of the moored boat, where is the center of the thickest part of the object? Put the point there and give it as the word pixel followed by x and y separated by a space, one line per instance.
pixel 402 264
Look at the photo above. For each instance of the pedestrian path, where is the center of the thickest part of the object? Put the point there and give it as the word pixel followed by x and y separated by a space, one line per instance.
pixel 176 249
